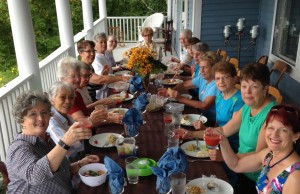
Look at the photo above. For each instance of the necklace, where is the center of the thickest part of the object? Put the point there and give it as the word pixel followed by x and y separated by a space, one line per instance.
pixel 281 159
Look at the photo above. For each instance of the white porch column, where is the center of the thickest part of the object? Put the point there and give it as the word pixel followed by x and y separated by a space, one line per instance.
pixel 103 14
pixel 24 41
pixel 169 8
pixel 186 14
pixel 87 13
pixel 65 25
pixel 196 23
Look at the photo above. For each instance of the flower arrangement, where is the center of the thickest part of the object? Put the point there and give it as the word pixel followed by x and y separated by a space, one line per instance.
pixel 142 61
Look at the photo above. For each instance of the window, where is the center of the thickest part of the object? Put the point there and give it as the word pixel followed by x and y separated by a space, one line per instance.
pixel 286 31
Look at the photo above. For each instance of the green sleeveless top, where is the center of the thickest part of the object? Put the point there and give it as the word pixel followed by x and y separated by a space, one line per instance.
pixel 249 131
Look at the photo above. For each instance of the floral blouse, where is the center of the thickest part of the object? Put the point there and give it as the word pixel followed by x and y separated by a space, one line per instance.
pixel 264 186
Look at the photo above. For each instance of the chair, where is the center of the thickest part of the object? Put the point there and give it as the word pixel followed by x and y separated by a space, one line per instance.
pixel 4 173
pixel 281 67
pixel 275 93
pixel 222 54
pixel 263 59
pixel 116 30
pixel 154 21
pixel 165 37
pixel 235 62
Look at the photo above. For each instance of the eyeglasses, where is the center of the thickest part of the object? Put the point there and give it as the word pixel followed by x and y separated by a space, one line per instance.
pixel 287 109
pixel 226 77
pixel 74 76
pixel 43 114
pixel 86 75
pixel 89 51
pixel 147 35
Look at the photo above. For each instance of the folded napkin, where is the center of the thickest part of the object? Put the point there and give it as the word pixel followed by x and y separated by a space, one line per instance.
pixel 141 102
pixel 173 161
pixel 115 175
pixel 136 84
pixel 133 118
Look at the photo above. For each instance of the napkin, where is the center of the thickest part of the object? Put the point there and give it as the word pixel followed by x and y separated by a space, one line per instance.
pixel 136 84
pixel 141 102
pixel 173 161
pixel 133 118
pixel 115 175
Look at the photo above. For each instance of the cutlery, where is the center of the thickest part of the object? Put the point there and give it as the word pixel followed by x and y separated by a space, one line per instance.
pixel 197 144
pixel 200 118
pixel 198 160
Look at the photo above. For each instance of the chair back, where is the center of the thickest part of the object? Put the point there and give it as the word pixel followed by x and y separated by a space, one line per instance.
pixel 222 54
pixel 263 59
pixel 281 67
pixel 154 21
pixel 165 37
pixel 235 62
pixel 4 173
pixel 275 93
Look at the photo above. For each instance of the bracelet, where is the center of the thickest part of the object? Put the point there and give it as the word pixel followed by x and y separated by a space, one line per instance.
pixel 63 145
pixel 78 162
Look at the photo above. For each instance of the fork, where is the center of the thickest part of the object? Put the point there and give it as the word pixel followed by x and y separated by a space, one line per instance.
pixel 198 160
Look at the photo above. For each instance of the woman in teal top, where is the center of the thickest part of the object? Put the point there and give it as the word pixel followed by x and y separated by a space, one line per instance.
pixel 250 119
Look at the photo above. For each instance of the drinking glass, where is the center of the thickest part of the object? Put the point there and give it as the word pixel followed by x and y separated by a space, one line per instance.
pixel 127 127
pixel 212 139
pixel 102 107
pixel 167 117
pixel 85 122
pixel 176 118
pixel 178 182
pixel 179 132
pixel 173 140
pixel 132 170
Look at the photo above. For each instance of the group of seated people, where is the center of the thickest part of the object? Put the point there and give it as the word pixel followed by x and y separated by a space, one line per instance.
pixel 258 137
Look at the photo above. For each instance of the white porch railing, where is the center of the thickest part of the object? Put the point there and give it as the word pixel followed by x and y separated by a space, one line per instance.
pixel 129 26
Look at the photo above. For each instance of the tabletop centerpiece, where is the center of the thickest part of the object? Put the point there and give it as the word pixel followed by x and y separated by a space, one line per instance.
pixel 142 61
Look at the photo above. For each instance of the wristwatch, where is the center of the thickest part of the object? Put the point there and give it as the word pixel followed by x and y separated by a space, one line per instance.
pixel 63 145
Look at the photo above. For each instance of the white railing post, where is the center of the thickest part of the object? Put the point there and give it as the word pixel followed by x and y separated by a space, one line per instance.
pixel 102 15
pixel 65 25
pixel 87 13
pixel 169 8
pixel 24 41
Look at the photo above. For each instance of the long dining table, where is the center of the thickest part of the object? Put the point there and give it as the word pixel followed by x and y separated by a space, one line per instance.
pixel 152 143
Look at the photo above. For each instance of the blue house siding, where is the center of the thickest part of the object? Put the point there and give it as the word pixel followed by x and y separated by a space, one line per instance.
pixel 218 13
pixel 265 21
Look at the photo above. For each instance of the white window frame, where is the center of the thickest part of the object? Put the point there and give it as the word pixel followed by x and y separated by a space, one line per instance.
pixel 295 70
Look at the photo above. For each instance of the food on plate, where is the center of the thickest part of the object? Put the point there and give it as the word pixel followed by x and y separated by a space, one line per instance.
pixel 96 142
pixel 124 94
pixel 191 148
pixel 191 189
pixel 170 81
pixel 117 112
pixel 117 97
pixel 212 186
pixel 93 173
pixel 111 139
pixel 186 120
pixel 202 152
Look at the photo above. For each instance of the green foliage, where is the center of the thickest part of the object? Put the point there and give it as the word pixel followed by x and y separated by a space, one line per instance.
pixel 135 7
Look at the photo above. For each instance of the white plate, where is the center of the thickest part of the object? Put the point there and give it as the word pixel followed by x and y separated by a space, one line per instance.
pixel 223 186
pixel 119 96
pixel 189 119
pixel 123 72
pixel 202 153
pixel 100 141
pixel 121 86
pixel 121 111
pixel 170 72
pixel 183 95
pixel 170 82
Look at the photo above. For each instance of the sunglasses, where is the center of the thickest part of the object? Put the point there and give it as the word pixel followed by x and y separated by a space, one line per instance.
pixel 287 109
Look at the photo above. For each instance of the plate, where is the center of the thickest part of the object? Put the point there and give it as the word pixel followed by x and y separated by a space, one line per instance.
pixel 117 96
pixel 184 95
pixel 202 153
pixel 170 72
pixel 172 81
pixel 145 165
pixel 123 72
pixel 223 186
pixel 100 140
pixel 124 66
pixel 189 119
pixel 119 86
pixel 121 111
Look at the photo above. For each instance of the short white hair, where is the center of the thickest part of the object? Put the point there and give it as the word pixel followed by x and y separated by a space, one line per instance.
pixel 65 64
pixel 187 33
